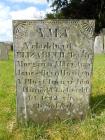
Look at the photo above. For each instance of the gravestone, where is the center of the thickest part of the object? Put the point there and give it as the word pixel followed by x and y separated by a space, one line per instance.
pixel 53 64
pixel 98 44
pixel 9 45
pixel 3 52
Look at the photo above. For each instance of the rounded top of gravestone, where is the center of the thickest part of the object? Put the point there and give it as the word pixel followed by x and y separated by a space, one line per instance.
pixel 103 31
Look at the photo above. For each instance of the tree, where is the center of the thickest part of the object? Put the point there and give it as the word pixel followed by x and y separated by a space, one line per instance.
pixel 80 9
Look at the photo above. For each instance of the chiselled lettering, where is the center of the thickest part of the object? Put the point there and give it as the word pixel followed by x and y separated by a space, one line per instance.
pixel 55 32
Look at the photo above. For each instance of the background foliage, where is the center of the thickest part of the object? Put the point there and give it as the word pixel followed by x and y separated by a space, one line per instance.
pixel 79 9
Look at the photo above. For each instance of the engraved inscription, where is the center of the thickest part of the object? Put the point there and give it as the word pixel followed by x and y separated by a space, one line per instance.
pixel 48 32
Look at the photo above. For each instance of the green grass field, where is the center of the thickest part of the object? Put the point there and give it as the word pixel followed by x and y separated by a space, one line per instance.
pixel 92 128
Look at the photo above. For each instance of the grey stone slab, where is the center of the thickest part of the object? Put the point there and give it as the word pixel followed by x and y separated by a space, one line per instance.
pixel 3 52
pixel 103 31
pixel 99 44
pixel 53 67
pixel 9 45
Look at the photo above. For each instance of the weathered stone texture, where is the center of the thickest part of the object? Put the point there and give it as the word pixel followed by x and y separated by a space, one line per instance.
pixel 3 52
pixel 99 44
pixel 53 62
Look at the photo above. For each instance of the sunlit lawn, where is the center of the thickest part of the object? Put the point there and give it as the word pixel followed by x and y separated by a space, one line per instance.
pixel 92 128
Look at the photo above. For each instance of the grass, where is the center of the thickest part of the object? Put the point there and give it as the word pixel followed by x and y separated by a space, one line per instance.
pixel 92 128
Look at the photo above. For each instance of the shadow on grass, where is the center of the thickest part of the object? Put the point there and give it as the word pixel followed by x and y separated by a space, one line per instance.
pixel 97 104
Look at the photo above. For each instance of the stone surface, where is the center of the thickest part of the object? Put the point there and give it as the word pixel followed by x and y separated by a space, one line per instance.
pixel 9 45
pixel 3 51
pixel 53 64
pixel 103 31
pixel 99 44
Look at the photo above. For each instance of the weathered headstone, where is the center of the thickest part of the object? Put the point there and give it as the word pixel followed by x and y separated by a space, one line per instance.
pixel 3 52
pixel 53 62
pixel 98 44
pixel 9 45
